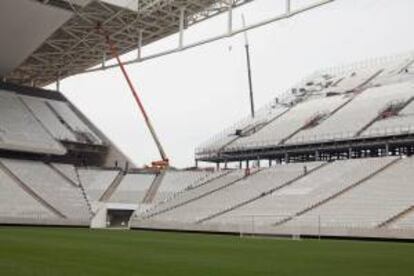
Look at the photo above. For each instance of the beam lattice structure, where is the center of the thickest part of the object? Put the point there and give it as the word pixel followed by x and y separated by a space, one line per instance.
pixel 76 46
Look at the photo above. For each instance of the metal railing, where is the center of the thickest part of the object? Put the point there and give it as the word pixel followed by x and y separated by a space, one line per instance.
pixel 309 139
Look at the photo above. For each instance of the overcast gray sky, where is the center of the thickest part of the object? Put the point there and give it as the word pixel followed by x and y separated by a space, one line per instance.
pixel 192 95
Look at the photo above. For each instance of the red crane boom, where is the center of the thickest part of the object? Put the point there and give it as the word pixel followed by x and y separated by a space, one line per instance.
pixel 165 161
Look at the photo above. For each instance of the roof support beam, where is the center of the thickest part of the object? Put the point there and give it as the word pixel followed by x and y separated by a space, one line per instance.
pixel 219 37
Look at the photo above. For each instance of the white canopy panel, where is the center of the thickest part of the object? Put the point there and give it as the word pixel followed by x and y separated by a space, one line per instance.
pixel 24 26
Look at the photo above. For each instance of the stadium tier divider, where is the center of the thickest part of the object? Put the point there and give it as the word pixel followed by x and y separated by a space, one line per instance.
pixel 397 218
pixel 112 188
pixel 84 194
pixel 153 188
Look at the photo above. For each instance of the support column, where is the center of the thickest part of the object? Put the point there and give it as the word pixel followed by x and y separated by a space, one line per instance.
pixel 181 33
pixel 58 85
pixel 140 33
pixel 103 60
pixel 139 48
pixel 230 19
pixel 249 70
pixel 288 7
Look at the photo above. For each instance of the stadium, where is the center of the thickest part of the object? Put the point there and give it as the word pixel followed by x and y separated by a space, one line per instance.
pixel 318 181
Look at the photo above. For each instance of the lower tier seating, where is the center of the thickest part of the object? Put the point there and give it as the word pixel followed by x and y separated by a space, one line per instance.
pixel 51 187
pixel 132 188
pixel 16 203
pixel 369 204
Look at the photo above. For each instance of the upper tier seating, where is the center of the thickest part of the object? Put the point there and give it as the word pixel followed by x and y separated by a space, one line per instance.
pixel 49 120
pixel 339 82
pixel 401 123
pixel 353 80
pixel 132 188
pixel 349 80
pixel 20 131
pixel 73 121
pixel 397 71
pixel 369 204
pixel 359 113
pixel 51 186
pixel 263 117
pixel 291 122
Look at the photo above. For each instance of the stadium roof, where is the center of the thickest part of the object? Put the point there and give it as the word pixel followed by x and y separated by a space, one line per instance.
pixel 54 39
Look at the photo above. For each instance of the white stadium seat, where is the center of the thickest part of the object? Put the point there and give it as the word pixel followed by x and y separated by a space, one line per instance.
pixel 20 131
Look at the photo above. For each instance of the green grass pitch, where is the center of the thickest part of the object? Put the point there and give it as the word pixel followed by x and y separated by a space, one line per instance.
pixel 49 251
